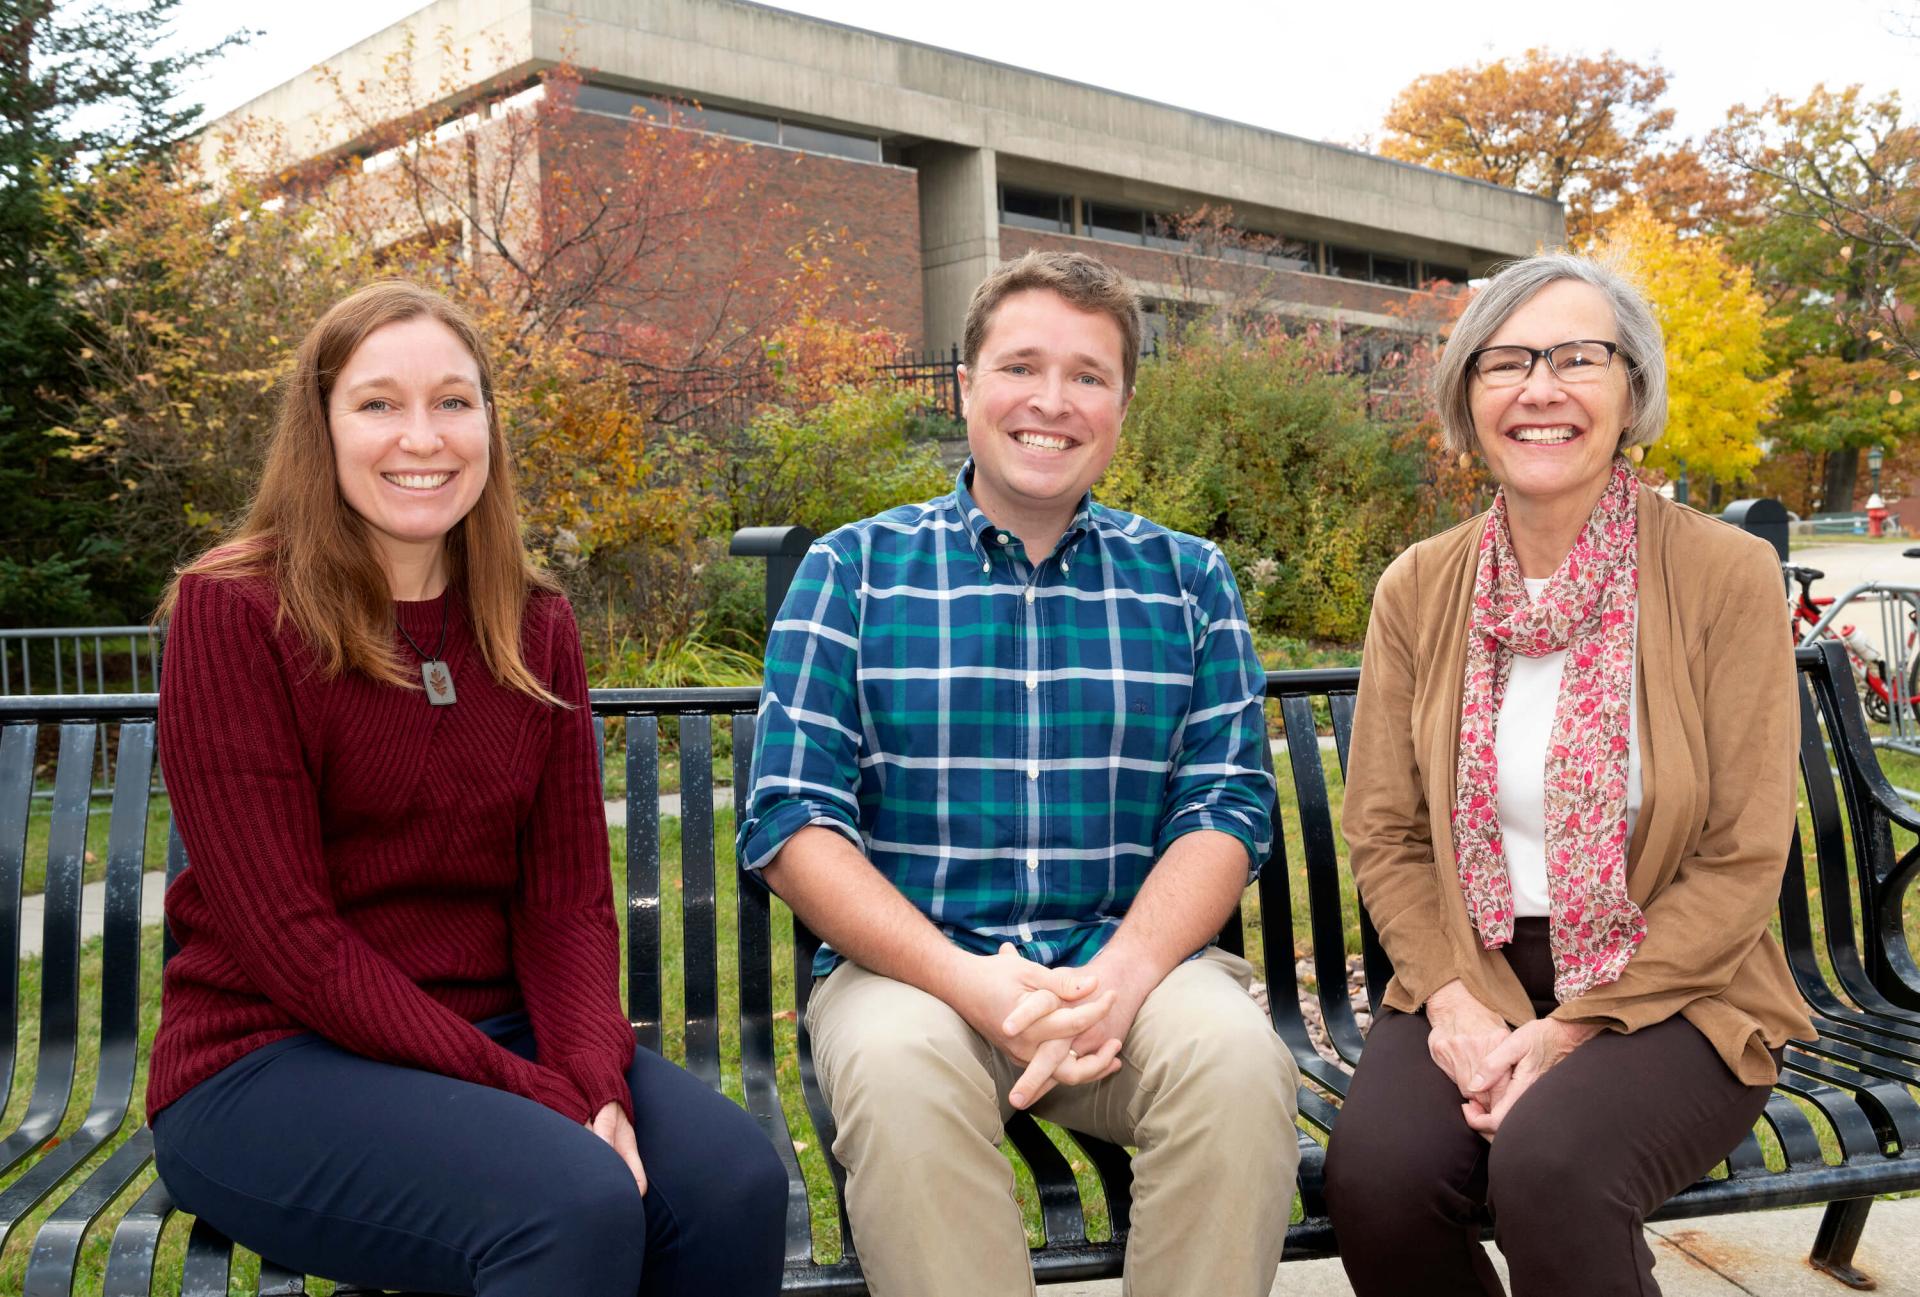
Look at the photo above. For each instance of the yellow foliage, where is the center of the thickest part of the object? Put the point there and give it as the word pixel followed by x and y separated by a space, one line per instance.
pixel 1719 392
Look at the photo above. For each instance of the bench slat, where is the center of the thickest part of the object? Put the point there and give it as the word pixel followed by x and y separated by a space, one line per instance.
pixel 278 1281
pixel 1115 1169
pixel 1323 876
pixel 643 879
pixel 60 946
pixel 1283 985
pixel 16 802
pixel 56 1248
pixel 1061 1219
pixel 1873 808
pixel 1373 956
pixel 1882 1099
pixel 700 953
pixel 208 1262
pixel 136 1240
pixel 759 1076
pixel 1747 1159
pixel 1850 1126
pixel 120 983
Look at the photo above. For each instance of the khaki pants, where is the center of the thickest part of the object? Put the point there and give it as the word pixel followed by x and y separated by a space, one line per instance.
pixel 1206 1092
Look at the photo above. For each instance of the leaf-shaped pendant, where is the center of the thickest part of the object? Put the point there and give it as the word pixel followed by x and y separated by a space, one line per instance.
pixel 439 682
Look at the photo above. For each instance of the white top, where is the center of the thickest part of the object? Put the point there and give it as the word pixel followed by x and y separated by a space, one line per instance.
pixel 1520 748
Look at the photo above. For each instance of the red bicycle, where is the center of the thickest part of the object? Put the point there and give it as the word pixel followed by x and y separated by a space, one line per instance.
pixel 1871 674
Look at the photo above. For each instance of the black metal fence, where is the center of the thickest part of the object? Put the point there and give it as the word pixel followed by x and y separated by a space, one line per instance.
pixel 723 400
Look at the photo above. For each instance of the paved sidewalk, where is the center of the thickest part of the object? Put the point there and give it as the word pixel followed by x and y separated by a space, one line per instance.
pixel 93 910
pixel 1761 1254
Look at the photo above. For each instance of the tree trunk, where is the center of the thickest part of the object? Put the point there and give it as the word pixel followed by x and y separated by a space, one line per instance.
pixel 1842 473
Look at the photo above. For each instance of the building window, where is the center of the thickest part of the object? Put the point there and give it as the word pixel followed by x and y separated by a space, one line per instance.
pixel 1348 263
pixel 818 139
pixel 1116 224
pixel 1032 210
pixel 608 102
pixel 1276 253
pixel 1397 271
pixel 1455 275
pixel 1372 267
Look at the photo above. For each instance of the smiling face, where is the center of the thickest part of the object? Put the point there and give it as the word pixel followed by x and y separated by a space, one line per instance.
pixel 411 440
pixel 1549 441
pixel 1043 406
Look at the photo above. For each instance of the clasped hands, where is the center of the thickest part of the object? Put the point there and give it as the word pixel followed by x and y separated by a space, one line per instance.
pixel 1492 1064
pixel 1060 1022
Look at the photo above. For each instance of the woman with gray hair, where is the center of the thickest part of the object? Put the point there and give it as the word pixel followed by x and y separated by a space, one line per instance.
pixel 1571 794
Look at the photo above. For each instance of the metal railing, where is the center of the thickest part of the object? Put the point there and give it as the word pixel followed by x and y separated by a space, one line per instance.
pixel 74 659
pixel 81 660
pixel 1894 656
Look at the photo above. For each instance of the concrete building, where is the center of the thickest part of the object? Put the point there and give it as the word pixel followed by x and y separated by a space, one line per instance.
pixel 944 164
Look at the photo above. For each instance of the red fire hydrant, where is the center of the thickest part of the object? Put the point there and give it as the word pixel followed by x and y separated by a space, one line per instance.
pixel 1876 514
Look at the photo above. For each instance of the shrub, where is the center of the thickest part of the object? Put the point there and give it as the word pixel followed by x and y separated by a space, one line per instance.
pixel 851 457
pixel 1251 443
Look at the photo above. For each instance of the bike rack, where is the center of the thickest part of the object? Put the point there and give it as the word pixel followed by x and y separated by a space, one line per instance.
pixel 1893 599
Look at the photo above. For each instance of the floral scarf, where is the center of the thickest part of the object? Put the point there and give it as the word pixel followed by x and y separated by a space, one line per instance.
pixel 1587 608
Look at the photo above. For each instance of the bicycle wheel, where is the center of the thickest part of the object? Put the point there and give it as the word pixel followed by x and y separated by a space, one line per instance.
pixel 1873 697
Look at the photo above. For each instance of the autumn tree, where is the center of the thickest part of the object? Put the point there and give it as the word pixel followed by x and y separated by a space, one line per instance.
pixel 79 84
pixel 1721 388
pixel 1848 166
pixel 1822 167
pixel 568 241
pixel 1589 133
pixel 652 243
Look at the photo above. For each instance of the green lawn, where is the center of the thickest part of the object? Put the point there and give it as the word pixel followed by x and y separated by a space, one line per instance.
pixel 40 824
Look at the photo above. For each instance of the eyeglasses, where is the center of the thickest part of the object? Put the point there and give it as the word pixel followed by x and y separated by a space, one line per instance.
pixel 1581 361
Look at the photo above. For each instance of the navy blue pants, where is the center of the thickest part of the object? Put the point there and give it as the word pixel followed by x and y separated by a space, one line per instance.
pixel 391 1177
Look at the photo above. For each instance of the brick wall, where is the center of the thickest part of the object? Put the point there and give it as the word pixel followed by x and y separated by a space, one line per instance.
pixel 773 199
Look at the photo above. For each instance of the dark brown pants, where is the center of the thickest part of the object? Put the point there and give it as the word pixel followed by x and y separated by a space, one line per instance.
pixel 1610 1133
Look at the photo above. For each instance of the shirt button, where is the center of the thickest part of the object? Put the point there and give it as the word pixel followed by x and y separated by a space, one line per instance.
pixel 986 565
pixel 1033 862
pixel 1002 538
pixel 1063 565
pixel 1033 772
pixel 1029 594
pixel 1033 682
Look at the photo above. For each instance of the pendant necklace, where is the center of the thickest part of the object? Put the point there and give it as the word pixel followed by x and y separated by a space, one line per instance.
pixel 433 670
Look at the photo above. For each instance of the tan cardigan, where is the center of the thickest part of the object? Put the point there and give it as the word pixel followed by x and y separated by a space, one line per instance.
pixel 1719 732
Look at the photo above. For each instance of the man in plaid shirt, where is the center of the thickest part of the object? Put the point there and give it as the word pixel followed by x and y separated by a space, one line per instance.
pixel 1008 766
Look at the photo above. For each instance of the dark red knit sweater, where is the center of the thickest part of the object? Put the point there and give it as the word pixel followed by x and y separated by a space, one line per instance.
pixel 379 871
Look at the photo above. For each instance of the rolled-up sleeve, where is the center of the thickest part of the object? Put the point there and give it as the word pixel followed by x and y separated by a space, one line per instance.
pixel 1219 780
pixel 806 748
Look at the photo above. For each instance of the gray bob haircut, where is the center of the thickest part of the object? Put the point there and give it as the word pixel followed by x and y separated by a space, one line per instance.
pixel 1511 288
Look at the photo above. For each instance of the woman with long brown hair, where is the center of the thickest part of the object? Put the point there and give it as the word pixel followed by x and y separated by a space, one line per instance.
pixel 391 1047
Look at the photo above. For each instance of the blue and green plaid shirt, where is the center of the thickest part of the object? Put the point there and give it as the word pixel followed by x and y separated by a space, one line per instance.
pixel 1012 744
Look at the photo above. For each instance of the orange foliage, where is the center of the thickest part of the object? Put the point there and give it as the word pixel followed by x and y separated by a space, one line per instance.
pixel 1589 132
pixel 568 237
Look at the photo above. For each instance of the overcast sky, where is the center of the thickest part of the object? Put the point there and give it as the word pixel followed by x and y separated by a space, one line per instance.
pixel 1325 71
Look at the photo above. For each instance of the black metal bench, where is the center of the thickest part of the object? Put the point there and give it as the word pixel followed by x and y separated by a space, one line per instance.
pixel 1852 1083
